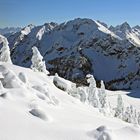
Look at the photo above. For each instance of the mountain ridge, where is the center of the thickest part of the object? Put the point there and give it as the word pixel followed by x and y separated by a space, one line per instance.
pixel 81 46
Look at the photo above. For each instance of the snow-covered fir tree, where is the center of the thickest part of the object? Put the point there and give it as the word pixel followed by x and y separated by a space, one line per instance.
pixel 93 97
pixel 1 86
pixel 104 104
pixel 133 115
pixel 37 61
pixel 83 96
pixel 127 115
pixel 5 50
pixel 73 90
pixel 120 107
pixel 138 118
pixel 102 96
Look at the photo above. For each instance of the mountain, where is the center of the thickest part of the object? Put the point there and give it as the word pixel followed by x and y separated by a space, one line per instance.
pixel 81 46
pixel 124 31
pixel 9 30
pixel 32 107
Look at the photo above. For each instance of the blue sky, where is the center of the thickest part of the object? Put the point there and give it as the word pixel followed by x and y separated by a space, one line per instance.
pixel 23 12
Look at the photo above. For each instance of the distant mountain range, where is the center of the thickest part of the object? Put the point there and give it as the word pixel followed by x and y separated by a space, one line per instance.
pixel 9 30
pixel 81 46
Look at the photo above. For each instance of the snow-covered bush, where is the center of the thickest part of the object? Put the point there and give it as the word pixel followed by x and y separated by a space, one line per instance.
pixel 5 50
pixel 93 97
pixel 37 61
pixel 64 84
pixel 119 111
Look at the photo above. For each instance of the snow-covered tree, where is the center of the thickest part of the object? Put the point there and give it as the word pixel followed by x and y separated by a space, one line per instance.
pixel 138 118
pixel 135 117
pixel 1 86
pixel 93 97
pixel 102 96
pixel 83 96
pixel 131 115
pixel 120 107
pixel 73 90
pixel 127 115
pixel 5 50
pixel 105 106
pixel 37 61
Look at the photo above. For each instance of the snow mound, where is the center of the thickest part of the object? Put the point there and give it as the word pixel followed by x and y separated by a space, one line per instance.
pixel 42 89
pixel 11 80
pixel 42 97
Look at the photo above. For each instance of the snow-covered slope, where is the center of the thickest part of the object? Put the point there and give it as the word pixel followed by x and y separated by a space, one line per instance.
pixel 81 46
pixel 35 109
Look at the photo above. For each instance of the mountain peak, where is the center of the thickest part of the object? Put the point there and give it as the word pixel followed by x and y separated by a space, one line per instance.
pixel 124 27
pixel 26 30
pixel 136 27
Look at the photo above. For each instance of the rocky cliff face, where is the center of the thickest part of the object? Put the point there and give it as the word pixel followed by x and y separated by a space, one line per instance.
pixel 83 46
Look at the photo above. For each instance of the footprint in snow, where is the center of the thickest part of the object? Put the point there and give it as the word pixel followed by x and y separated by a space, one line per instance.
pixel 40 114
pixel 5 95
pixel 101 133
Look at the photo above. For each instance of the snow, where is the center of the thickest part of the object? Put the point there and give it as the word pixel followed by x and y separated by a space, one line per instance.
pixel 39 113
pixel 24 115
pixel 40 33
pixel 124 31
pixel 9 30
pixel 134 38
pixel 106 30
pixel 36 106
pixel 37 61
pixel 5 50
pixel 27 30
pixel 62 83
